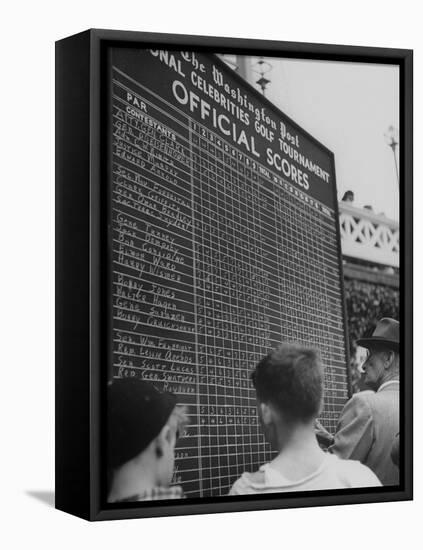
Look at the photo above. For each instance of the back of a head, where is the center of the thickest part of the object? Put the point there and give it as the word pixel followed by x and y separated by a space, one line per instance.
pixel 137 411
pixel 348 196
pixel 290 378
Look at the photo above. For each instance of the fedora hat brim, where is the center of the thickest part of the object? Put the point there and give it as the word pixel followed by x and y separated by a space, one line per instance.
pixel 376 340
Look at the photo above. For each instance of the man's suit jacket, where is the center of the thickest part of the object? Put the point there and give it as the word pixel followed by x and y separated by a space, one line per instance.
pixel 367 429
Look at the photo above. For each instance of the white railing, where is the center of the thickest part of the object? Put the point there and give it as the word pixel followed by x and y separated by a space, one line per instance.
pixel 368 236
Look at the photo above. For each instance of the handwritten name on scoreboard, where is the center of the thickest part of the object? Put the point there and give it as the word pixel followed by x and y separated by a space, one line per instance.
pixel 224 243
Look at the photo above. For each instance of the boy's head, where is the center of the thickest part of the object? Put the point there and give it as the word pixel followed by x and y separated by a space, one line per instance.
pixel 143 426
pixel 289 386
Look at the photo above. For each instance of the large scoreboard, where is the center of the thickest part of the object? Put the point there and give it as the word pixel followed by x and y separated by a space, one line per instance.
pixel 224 242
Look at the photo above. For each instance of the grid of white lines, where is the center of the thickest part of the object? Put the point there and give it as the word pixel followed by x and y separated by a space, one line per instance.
pixel 255 263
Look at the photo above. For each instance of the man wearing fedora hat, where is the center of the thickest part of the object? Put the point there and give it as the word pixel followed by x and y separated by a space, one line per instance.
pixel 369 422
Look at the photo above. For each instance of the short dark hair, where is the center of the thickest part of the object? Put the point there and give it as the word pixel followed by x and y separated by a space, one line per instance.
pixel 290 378
pixel 348 195
pixel 137 411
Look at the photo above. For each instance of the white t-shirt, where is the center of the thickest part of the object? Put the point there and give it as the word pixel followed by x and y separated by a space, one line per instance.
pixel 333 473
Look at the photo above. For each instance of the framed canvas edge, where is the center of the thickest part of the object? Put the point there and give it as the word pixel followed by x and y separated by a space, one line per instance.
pixel 406 262
pixel 403 58
pixel 72 257
pixel 308 50
pixel 240 504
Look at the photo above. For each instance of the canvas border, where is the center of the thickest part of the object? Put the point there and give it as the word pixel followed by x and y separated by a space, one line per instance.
pixel 81 257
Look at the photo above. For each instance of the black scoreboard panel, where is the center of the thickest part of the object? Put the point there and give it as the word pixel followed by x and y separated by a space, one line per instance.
pixel 224 243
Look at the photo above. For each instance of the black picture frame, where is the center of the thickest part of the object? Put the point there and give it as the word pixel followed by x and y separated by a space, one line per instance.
pixel 82 319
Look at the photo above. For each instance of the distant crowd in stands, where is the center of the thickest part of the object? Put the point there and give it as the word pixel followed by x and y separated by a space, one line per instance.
pixel 348 196
pixel 144 424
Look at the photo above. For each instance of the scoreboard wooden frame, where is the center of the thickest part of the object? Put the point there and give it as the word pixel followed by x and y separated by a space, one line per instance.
pixel 83 301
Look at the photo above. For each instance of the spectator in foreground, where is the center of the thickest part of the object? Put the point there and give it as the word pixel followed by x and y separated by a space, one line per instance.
pixel 370 419
pixel 143 426
pixel 289 388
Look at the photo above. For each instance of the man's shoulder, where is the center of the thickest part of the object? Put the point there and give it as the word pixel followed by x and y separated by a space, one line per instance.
pixel 363 396
pixel 248 483
pixel 389 389
pixel 362 401
pixel 367 403
pixel 353 473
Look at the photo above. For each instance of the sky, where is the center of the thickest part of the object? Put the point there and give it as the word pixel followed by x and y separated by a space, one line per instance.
pixel 348 107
